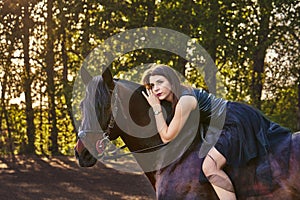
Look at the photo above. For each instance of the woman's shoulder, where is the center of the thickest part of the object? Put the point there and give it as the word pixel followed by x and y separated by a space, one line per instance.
pixel 188 101
pixel 205 99
pixel 196 92
pixel 187 91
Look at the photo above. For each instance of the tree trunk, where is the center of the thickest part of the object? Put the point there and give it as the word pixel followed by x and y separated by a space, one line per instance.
pixel 212 45
pixel 50 79
pixel 2 102
pixel 151 13
pixel 30 129
pixel 298 106
pixel 67 89
pixel 86 47
pixel 41 122
pixel 257 82
pixel 260 53
pixel 6 117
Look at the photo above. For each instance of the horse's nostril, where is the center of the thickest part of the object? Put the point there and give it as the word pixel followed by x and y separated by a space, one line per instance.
pixel 85 158
pixel 79 146
pixel 76 153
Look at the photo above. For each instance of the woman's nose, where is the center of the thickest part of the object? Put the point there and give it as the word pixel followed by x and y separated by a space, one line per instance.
pixel 155 88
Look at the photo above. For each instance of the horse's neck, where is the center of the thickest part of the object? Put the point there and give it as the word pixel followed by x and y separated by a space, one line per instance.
pixel 143 133
pixel 133 117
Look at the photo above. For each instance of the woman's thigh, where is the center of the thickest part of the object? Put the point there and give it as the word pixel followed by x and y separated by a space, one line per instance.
pixel 214 160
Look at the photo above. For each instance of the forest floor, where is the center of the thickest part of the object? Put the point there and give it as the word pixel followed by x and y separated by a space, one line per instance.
pixel 60 178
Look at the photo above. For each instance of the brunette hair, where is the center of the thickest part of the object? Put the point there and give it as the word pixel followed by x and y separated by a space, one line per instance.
pixel 170 75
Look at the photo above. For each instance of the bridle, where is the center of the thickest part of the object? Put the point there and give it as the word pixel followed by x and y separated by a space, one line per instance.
pixel 102 143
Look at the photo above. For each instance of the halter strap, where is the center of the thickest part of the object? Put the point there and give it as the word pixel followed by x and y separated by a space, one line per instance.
pixel 106 133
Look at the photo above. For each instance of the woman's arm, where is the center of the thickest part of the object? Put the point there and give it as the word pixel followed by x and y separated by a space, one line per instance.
pixel 182 111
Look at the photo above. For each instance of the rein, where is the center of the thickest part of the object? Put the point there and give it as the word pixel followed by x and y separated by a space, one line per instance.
pixel 101 145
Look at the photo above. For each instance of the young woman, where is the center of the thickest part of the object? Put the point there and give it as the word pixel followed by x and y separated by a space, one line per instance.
pixel 245 133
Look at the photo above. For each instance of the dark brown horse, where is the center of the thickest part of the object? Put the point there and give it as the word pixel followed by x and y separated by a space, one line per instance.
pixel 179 178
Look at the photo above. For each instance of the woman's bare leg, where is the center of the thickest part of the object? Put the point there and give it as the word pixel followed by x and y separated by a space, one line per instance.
pixel 212 168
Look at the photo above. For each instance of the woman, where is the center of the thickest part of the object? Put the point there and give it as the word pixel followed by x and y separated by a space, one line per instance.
pixel 245 132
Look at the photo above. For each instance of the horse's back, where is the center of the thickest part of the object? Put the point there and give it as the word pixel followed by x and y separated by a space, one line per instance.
pixel 293 182
pixel 296 143
pixel 180 180
pixel 296 147
pixel 282 186
pixel 290 185
pixel 294 164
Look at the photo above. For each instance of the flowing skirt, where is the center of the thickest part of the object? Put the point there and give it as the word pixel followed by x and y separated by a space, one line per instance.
pixel 247 134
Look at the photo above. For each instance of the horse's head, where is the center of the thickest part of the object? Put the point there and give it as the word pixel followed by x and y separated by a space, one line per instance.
pixel 111 109
pixel 96 111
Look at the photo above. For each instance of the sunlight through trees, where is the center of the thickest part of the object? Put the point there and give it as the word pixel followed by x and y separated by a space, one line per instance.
pixel 254 43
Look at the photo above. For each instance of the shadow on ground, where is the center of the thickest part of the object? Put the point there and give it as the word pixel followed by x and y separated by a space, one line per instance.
pixel 60 178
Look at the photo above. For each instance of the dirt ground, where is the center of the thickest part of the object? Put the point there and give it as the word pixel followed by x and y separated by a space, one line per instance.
pixel 60 178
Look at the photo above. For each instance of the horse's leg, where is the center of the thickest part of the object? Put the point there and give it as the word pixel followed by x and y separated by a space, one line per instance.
pixel 212 168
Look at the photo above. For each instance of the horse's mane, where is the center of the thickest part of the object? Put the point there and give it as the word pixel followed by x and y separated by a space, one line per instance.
pixel 143 105
pixel 96 102
pixel 131 85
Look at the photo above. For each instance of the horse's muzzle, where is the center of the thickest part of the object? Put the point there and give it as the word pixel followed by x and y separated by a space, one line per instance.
pixel 84 157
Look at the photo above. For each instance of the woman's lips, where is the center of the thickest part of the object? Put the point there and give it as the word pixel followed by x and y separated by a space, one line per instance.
pixel 159 94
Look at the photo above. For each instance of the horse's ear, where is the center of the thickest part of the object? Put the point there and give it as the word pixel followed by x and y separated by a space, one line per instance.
pixel 85 75
pixel 108 79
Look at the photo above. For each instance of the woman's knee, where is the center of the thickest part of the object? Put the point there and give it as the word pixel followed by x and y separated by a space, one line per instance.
pixel 213 162
pixel 209 166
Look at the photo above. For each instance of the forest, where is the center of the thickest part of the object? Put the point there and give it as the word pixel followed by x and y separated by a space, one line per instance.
pixel 43 44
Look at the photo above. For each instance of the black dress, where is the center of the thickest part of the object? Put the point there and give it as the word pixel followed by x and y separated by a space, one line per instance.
pixel 238 131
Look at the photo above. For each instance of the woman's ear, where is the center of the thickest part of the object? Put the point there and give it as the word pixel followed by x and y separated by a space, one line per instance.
pixel 85 76
pixel 108 79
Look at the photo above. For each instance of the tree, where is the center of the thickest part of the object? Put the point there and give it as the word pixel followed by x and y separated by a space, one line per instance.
pixel 282 78
pixel 44 43
pixel 50 64
pixel 28 77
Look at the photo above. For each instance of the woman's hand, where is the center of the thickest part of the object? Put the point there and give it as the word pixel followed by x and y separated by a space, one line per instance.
pixel 152 99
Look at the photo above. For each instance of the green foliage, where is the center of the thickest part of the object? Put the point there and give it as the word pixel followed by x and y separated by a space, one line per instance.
pixel 246 39
pixel 280 107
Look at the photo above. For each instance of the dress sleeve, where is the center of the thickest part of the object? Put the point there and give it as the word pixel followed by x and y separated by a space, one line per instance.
pixel 204 102
pixel 210 106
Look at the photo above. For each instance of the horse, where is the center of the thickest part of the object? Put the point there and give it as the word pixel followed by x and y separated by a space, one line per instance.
pixel 179 178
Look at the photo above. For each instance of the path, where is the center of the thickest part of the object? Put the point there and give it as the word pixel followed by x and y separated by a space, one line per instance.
pixel 60 178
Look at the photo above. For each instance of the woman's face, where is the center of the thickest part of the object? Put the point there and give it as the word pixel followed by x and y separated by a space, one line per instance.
pixel 161 87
